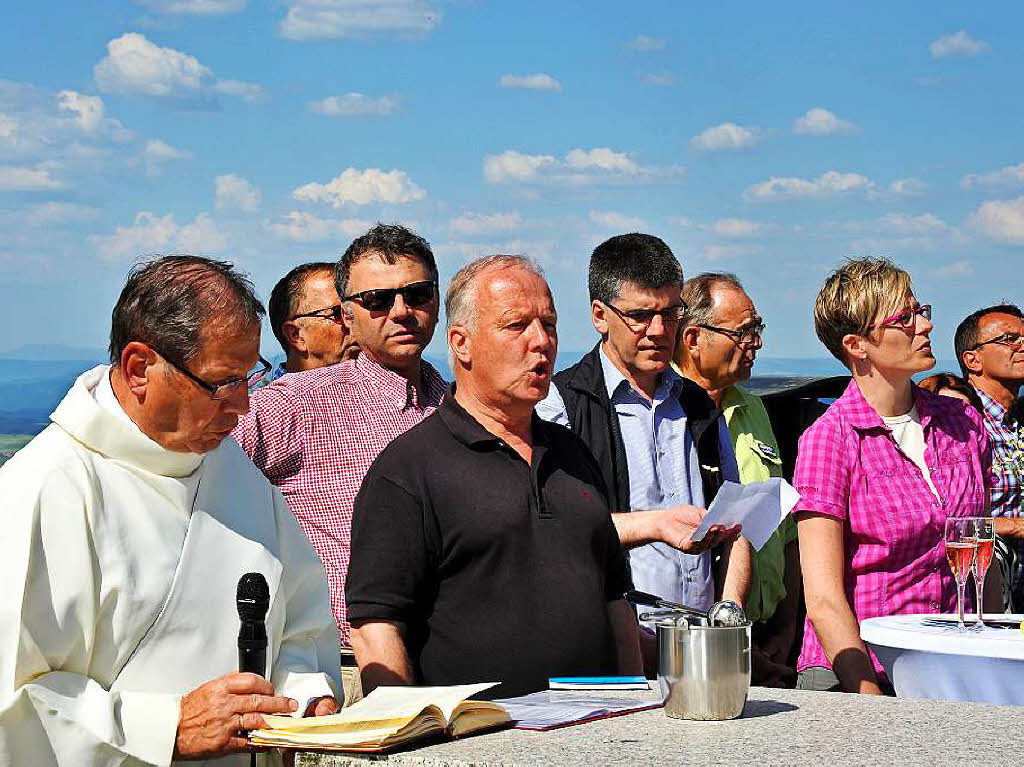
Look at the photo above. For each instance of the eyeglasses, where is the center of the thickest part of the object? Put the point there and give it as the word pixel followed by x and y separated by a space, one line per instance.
pixel 382 299
pixel 741 336
pixel 641 319
pixel 905 318
pixel 334 314
pixel 225 390
pixel 1006 339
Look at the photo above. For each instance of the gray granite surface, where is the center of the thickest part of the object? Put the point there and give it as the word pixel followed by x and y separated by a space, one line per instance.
pixel 777 727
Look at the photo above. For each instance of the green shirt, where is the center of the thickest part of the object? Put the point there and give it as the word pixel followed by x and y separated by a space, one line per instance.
pixel 757 456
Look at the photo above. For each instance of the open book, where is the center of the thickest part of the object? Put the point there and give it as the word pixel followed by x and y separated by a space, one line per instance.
pixel 387 717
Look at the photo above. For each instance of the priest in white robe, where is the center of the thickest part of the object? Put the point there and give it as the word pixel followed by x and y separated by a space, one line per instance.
pixel 127 524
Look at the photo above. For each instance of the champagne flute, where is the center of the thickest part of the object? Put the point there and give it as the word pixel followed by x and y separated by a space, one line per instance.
pixel 985 536
pixel 960 551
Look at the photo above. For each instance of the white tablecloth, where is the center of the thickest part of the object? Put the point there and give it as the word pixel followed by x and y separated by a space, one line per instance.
pixel 937 662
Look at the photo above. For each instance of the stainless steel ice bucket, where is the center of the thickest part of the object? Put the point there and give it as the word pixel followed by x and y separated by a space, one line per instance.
pixel 703 671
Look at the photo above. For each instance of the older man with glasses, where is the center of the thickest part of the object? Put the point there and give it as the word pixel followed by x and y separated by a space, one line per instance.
pixel 655 434
pixel 307 320
pixel 314 434
pixel 989 346
pixel 717 346
pixel 128 523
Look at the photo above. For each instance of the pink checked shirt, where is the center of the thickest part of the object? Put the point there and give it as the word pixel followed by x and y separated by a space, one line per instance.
pixel 849 467
pixel 314 435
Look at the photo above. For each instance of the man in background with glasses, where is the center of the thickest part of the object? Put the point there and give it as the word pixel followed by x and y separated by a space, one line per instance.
pixel 989 347
pixel 654 433
pixel 718 342
pixel 314 434
pixel 127 525
pixel 306 317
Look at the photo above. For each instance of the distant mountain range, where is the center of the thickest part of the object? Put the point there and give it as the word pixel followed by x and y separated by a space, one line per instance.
pixel 32 386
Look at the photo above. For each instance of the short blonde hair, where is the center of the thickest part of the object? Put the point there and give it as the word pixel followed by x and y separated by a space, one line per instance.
pixel 854 296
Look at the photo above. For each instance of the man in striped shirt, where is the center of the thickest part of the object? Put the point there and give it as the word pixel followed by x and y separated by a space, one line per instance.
pixel 990 349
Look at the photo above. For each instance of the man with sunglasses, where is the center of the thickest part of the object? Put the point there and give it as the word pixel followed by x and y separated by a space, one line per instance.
pixel 654 433
pixel 717 346
pixel 306 317
pixel 989 346
pixel 314 434
pixel 128 523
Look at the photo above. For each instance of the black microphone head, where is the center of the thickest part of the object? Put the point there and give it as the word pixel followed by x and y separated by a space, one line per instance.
pixel 252 597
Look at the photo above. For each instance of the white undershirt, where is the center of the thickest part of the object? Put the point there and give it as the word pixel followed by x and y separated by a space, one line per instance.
pixel 907 431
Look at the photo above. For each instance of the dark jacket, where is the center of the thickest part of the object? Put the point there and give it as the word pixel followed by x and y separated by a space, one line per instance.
pixel 591 416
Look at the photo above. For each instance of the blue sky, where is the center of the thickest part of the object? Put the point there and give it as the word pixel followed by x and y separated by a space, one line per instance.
pixel 770 140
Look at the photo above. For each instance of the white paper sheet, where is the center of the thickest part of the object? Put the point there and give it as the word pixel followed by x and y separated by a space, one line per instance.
pixel 759 507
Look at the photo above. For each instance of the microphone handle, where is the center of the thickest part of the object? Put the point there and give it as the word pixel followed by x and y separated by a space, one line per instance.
pixel 252 655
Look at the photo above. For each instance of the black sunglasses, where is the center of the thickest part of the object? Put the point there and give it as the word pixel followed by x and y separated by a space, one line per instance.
pixel 333 313
pixel 382 299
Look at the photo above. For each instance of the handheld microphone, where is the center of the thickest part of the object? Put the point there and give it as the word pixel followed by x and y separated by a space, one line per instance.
pixel 252 599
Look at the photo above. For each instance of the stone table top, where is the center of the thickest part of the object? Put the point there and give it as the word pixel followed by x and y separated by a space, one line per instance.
pixel 777 727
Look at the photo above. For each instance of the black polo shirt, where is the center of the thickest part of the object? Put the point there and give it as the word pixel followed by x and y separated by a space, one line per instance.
pixel 499 570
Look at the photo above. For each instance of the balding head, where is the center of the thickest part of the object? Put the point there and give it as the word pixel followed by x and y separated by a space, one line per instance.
pixel 502 332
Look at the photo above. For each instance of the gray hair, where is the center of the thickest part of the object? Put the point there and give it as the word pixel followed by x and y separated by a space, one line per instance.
pixel 698 297
pixel 168 301
pixel 460 299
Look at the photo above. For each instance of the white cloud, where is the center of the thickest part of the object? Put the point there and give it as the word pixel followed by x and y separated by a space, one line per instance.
pixel 719 252
pixel 907 187
pixel 150 233
pixel 201 236
pixel 821 122
pixel 361 187
pixel 926 224
pixel 602 157
pixel 579 167
pixel 736 227
pixel 726 136
pixel 537 82
pixel 236 193
pixel 305 227
pixel 662 79
pixel 15 178
pixel 956 269
pixel 511 165
pixel 1010 176
pixel 960 45
pixel 88 110
pixel 830 184
pixel 332 19
pixel 355 105
pixel 617 221
pixel 136 66
pixel 194 7
pixel 158 152
pixel 481 223
pixel 251 93
pixel 56 213
pixel 643 43
pixel 1002 220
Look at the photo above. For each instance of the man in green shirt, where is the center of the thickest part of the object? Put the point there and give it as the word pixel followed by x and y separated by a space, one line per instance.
pixel 716 348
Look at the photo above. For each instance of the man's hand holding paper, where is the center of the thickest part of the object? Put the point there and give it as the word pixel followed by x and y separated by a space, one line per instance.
pixel 758 506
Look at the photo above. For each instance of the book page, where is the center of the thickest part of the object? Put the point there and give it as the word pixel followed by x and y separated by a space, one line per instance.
pixel 384 707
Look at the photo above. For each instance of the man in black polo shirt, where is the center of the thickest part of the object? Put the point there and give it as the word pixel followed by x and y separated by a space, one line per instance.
pixel 482 545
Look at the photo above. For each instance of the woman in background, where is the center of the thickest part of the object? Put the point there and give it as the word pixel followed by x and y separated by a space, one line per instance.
pixel 878 474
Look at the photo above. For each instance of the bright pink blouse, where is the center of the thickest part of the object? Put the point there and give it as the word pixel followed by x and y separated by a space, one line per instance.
pixel 850 467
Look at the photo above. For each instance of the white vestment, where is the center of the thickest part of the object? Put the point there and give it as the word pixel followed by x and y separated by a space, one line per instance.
pixel 119 568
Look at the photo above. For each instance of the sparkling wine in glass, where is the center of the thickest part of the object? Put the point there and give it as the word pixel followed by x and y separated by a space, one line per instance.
pixel 960 553
pixel 984 535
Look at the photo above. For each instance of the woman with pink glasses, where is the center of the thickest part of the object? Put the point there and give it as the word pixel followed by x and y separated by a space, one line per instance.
pixel 878 474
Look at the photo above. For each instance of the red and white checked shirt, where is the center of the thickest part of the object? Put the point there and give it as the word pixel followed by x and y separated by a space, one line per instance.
pixel 314 435
pixel 850 467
